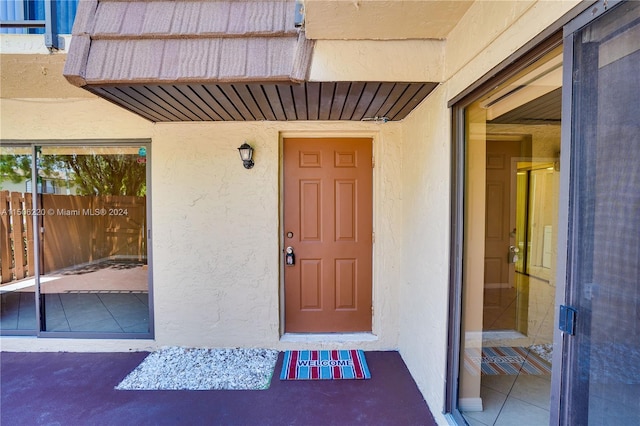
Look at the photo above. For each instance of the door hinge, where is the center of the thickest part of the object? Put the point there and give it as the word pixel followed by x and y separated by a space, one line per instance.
pixel 567 320
pixel 373 237
pixel 373 162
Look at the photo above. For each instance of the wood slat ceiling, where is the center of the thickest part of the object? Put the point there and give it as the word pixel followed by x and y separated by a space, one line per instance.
pixel 547 109
pixel 352 101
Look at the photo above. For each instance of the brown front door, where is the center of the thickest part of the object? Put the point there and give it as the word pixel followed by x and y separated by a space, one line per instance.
pixel 328 225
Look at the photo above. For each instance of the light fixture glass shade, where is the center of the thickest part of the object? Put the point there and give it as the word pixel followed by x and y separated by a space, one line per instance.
pixel 246 154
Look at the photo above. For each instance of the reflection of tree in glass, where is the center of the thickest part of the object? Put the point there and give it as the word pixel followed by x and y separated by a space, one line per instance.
pixel 113 174
pixel 118 174
pixel 15 168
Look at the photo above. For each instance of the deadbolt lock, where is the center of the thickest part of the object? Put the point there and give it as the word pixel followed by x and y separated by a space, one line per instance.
pixel 514 254
pixel 289 257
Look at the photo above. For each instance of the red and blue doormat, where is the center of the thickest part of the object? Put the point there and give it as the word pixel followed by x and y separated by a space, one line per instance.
pixel 324 365
pixel 504 360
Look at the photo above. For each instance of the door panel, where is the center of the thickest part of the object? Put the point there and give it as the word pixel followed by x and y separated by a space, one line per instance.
pixel 94 274
pixel 345 210
pixel 346 283
pixel 328 213
pixel 310 206
pixel 602 375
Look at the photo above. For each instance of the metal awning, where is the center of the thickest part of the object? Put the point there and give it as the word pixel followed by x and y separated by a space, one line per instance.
pixel 217 61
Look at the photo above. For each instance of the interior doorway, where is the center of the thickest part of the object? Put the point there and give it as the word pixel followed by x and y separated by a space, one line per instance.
pixel 505 292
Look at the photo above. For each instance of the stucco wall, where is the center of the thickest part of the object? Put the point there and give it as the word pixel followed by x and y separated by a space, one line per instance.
pixel 424 294
pixel 378 60
pixel 488 34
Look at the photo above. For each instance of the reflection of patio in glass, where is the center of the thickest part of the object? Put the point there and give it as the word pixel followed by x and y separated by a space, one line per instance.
pixel 109 297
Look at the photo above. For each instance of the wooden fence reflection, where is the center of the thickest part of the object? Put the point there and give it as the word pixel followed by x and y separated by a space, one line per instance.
pixel 75 230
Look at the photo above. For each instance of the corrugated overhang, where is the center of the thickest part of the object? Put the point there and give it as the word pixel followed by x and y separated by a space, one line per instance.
pixel 217 61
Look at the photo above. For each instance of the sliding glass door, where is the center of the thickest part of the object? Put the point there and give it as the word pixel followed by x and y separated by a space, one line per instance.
pixel 88 269
pixel 602 377
pixel 547 232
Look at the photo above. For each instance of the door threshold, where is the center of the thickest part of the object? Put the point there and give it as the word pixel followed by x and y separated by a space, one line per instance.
pixel 328 337
pixel 502 335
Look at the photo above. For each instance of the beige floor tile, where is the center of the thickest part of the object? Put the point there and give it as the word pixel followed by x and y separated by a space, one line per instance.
pixel 533 389
pixel 520 413
pixel 492 403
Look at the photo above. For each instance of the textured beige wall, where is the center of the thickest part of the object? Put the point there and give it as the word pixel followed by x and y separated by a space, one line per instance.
pixel 376 60
pixel 35 76
pixel 381 19
pixel 424 293
pixel 68 118
pixel 37 102
pixel 491 31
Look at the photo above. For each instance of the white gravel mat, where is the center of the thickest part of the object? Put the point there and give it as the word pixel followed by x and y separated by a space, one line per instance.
pixel 178 368
pixel 544 351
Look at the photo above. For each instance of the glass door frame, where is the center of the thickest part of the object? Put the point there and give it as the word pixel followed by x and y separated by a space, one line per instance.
pixel 40 332
pixel 36 248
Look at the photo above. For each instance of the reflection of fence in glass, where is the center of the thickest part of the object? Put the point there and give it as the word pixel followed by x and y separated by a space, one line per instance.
pixel 16 236
pixel 77 230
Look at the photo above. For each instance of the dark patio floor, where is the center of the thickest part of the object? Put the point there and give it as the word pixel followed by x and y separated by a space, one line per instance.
pixel 78 389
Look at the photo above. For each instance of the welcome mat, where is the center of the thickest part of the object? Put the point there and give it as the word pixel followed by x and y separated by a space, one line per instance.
pixel 504 360
pixel 324 365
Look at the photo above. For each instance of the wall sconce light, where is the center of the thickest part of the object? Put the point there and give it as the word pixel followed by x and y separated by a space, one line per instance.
pixel 246 154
